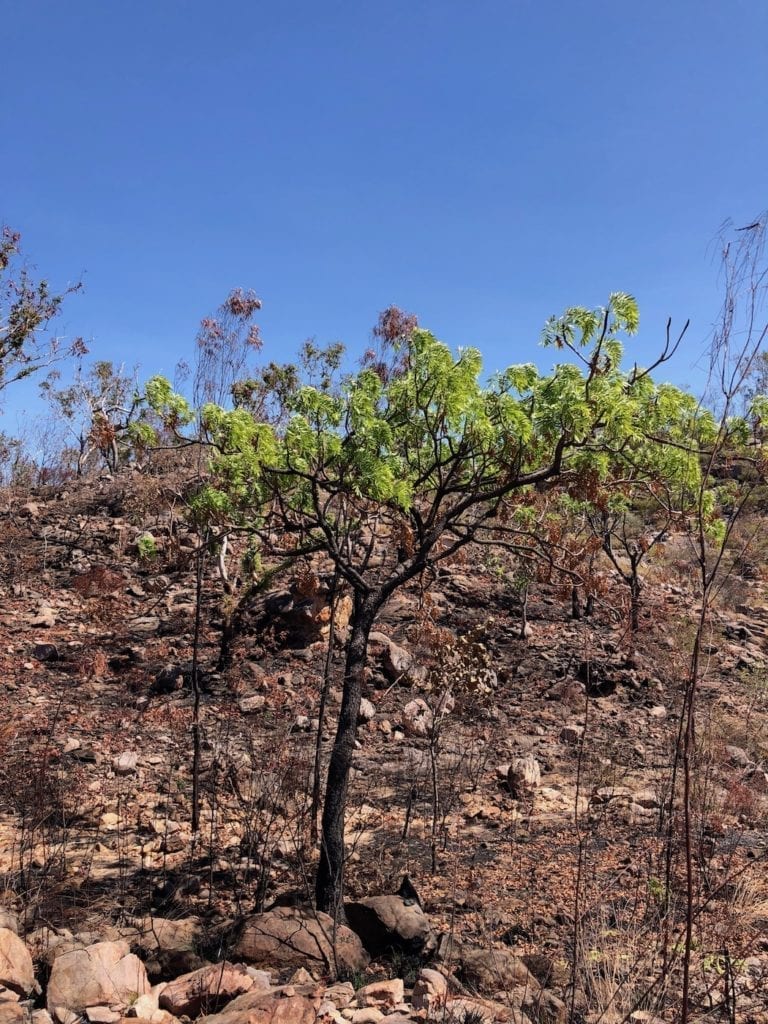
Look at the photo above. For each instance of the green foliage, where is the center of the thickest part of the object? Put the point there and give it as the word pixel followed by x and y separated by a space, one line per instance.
pixel 172 408
pixel 436 434
pixel 147 547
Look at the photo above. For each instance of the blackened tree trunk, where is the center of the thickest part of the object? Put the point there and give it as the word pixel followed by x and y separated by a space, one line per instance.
pixel 330 874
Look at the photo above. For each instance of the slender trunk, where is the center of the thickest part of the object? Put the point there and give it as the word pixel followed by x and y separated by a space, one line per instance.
pixel 634 591
pixel 327 675
pixel 589 606
pixel 575 604
pixel 196 691
pixel 688 754
pixel 523 612
pixel 229 632
pixel 329 888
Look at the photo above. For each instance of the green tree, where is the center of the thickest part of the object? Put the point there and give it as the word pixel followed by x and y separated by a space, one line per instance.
pixel 413 460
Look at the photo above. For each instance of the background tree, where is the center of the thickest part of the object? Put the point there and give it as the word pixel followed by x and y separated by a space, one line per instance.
pixel 105 412
pixel 27 308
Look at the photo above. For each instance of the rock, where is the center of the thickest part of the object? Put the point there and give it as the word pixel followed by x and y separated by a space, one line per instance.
pixel 524 776
pixel 283 1006
pixel 738 757
pixel 647 798
pixel 102 1015
pixel 104 974
pixel 341 994
pixel 397 661
pixel 147 1004
pixel 205 990
pixel 8 919
pixel 45 652
pixel 290 937
pixel 11 1012
pixel 301 976
pixel 417 718
pixel 544 1007
pixel 488 970
pixel 382 993
pixel 389 922
pixel 252 705
pixel 144 624
pixel 44 617
pixel 16 970
pixel 366 1015
pixel 172 944
pixel 367 711
pixel 170 679
pixel 571 734
pixel 125 763
pixel 469 1008
pixel 430 990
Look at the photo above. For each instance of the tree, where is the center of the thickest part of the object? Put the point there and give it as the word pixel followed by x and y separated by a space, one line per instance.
pixel 105 412
pixel 412 461
pixel 27 308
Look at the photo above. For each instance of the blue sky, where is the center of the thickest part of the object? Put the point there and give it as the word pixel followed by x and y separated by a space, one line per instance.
pixel 483 164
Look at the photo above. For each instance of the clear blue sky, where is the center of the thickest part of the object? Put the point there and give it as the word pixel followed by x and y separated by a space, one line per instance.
pixel 483 164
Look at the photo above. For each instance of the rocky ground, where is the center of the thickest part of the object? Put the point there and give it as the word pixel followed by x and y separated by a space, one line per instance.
pixel 527 806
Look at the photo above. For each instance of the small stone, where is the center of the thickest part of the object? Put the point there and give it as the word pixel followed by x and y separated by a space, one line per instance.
pixel 44 618
pixel 101 1015
pixel 126 763
pixel 367 711
pixel 381 993
pixel 252 705
pixel 45 652
pixel 430 990
pixel 571 734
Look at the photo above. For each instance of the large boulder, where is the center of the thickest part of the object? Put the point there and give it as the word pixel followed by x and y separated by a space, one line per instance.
pixel 291 937
pixel 16 970
pixel 281 1006
pixel 208 989
pixel 104 974
pixel 390 922
pixel 11 1012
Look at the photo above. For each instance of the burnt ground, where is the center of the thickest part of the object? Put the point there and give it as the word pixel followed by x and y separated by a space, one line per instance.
pixel 95 755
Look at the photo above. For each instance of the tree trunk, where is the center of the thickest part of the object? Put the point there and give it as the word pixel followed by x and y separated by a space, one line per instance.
pixel 327 676
pixel 229 631
pixel 634 591
pixel 575 604
pixel 329 888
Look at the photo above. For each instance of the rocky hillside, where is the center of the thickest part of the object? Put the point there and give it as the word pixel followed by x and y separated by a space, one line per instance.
pixel 512 855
